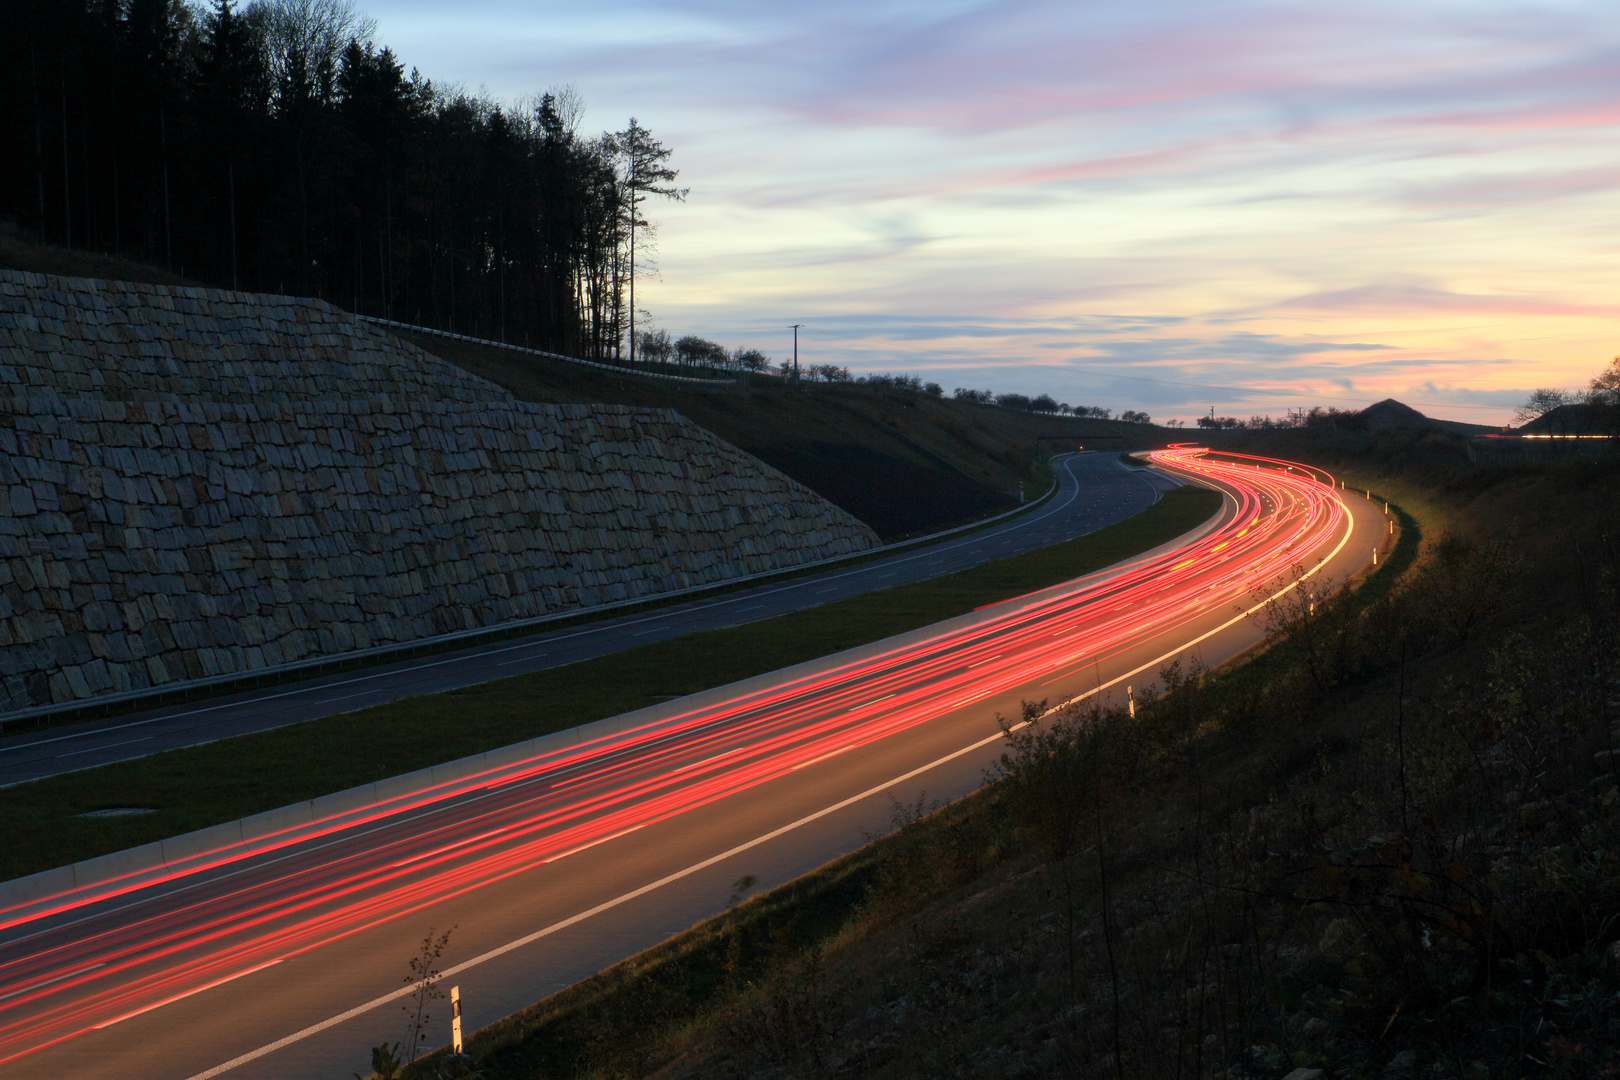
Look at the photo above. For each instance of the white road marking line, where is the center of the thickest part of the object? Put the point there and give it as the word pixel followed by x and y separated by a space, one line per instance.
pixel 49 982
pixel 346 697
pixel 829 754
pixel 452 847
pixel 198 990
pixel 104 746
pixel 529 939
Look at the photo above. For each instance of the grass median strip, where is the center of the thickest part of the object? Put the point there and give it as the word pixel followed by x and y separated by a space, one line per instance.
pixel 199 786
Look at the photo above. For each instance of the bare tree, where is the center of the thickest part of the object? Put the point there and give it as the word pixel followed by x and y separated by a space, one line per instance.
pixel 1606 384
pixel 424 978
pixel 1603 397
pixel 1542 401
pixel 303 42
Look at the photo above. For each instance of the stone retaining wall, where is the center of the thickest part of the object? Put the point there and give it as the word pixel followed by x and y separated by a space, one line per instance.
pixel 124 341
pixel 148 542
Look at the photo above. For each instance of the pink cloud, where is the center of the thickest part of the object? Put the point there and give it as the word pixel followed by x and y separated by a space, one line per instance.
pixel 1419 301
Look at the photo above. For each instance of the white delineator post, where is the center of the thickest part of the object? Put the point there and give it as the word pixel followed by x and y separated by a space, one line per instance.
pixel 1130 701
pixel 455 1020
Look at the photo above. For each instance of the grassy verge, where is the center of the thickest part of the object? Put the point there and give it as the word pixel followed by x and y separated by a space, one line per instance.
pixel 1382 847
pixel 205 785
pixel 1038 484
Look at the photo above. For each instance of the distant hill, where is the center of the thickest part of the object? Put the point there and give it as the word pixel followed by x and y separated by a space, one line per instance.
pixel 1390 413
pixel 1574 419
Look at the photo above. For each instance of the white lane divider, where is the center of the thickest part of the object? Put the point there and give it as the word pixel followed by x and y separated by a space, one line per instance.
pixel 529 939
pixel 49 982
pixel 189 993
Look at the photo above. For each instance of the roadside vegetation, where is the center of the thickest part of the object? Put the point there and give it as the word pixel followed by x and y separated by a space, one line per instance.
pixel 204 785
pixel 1387 845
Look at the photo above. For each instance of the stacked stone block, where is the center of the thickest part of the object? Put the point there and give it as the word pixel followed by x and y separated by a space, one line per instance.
pixel 124 341
pixel 325 490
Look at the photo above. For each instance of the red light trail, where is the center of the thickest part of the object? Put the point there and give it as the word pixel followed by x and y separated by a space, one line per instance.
pixel 73 966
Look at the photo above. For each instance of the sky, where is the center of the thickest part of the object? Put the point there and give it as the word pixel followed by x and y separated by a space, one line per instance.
pixel 1169 205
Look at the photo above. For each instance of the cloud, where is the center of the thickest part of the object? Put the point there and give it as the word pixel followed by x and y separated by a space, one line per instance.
pixel 1412 300
pixel 1506 188
pixel 1269 196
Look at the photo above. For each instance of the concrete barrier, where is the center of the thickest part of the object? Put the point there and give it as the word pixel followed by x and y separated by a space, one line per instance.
pixel 29 890
pixel 203 841
pixel 280 819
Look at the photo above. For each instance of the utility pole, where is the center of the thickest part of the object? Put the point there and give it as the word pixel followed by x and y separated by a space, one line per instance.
pixel 796 354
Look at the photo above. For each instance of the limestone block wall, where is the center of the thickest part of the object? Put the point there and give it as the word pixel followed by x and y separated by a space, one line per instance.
pixel 148 542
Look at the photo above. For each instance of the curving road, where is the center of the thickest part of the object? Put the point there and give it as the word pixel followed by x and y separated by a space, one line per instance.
pixel 283 964
pixel 1094 490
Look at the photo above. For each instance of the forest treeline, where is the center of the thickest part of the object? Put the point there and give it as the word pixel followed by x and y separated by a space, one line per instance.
pixel 273 147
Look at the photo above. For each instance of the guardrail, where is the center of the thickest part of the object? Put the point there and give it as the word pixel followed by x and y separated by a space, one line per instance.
pixel 613 368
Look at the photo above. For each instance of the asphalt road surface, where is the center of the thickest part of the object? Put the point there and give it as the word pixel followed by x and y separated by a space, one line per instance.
pixel 1094 490
pixel 282 966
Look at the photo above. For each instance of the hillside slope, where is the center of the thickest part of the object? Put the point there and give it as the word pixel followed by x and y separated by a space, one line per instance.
pixel 903 462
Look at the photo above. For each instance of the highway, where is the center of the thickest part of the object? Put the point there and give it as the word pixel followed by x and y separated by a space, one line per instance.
pixel 282 965
pixel 1094 491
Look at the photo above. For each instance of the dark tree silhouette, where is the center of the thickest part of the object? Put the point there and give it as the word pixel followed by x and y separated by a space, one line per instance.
pixel 272 147
pixel 644 174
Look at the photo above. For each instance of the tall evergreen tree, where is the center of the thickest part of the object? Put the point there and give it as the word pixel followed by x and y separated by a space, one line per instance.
pixel 645 174
pixel 270 145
